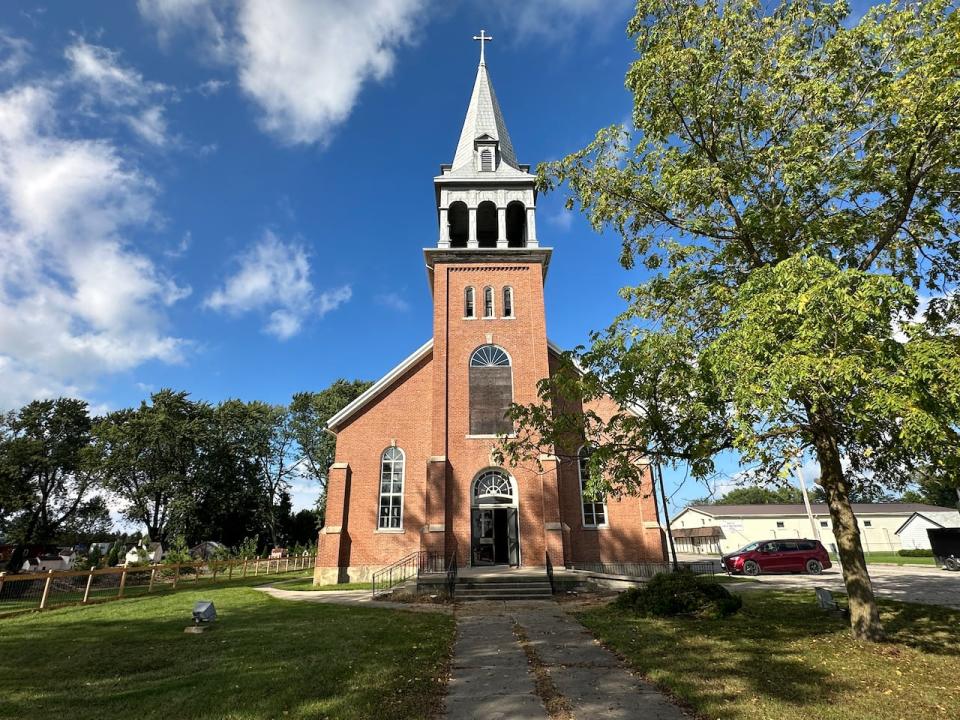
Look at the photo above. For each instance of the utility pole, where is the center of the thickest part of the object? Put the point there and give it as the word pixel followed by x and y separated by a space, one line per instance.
pixel 666 517
pixel 806 502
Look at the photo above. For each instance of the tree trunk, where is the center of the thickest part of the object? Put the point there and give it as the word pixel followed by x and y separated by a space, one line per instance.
pixel 864 613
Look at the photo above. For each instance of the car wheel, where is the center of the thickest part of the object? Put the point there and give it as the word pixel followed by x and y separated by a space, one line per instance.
pixel 750 567
pixel 814 567
pixel 951 563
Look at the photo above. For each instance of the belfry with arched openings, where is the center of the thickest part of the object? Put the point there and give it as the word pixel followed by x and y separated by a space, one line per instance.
pixel 414 468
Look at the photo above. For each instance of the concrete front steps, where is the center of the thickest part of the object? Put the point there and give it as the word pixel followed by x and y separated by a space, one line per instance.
pixel 503 587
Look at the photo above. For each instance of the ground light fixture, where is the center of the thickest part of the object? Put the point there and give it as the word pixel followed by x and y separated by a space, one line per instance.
pixel 204 613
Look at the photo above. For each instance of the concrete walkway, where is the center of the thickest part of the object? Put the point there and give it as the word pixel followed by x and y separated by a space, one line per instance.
pixel 533 660
pixel 358 598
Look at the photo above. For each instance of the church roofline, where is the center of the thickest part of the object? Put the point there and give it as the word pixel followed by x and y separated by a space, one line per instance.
pixel 375 390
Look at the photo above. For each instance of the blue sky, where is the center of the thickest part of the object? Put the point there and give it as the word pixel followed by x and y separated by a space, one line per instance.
pixel 232 198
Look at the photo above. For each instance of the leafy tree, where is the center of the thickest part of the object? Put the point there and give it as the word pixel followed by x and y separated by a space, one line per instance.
pixel 149 456
pixel 116 550
pixel 933 490
pixel 94 558
pixel 47 465
pixel 791 184
pixel 310 412
pixel 756 495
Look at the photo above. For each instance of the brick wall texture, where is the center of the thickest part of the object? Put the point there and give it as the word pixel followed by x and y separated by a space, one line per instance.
pixel 426 413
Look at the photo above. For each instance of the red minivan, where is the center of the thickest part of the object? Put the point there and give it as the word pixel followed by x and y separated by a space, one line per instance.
pixel 778 556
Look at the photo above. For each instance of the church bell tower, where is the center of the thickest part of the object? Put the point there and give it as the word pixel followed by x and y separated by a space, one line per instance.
pixel 486 272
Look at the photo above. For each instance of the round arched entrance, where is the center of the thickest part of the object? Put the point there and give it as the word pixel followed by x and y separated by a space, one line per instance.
pixel 494 519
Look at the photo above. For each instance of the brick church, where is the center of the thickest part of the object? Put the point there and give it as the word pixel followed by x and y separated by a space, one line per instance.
pixel 413 466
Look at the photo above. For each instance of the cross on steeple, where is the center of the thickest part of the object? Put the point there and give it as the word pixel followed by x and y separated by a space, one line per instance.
pixel 483 38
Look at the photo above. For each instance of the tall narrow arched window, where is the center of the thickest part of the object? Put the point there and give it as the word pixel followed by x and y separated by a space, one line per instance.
pixel 516 224
pixel 491 391
pixel 486 160
pixel 488 302
pixel 391 489
pixel 458 220
pixel 594 512
pixel 469 306
pixel 487 224
pixel 508 302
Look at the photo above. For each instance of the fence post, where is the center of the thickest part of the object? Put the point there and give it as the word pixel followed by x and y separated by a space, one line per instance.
pixel 46 589
pixel 86 592
pixel 286 566
pixel 123 582
pixel 2 576
pixel 214 570
pixel 244 567
pixel 256 567
pixel 197 567
pixel 153 574
pixel 176 576
pixel 230 570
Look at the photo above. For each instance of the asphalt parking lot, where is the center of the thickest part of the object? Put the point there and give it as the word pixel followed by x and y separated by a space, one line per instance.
pixel 910 583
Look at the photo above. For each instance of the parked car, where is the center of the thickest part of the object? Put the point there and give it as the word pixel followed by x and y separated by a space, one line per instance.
pixel 778 556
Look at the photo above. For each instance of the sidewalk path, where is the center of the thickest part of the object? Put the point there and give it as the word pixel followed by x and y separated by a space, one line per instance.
pixel 533 660
pixel 361 598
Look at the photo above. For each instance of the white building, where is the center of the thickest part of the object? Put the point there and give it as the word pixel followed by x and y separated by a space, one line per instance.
pixel 714 529
pixel 913 532
pixel 152 553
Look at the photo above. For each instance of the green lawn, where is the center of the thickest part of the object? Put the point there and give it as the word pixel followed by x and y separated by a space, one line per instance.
pixel 307 584
pixel 782 658
pixel 892 557
pixel 265 658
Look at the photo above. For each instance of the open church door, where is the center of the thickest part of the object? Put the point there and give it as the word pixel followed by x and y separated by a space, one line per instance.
pixel 513 537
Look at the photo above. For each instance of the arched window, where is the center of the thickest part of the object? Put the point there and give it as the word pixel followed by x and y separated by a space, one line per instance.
pixel 487 224
pixel 508 302
pixel 469 308
pixel 491 391
pixel 488 302
pixel 594 513
pixel 458 218
pixel 486 160
pixel 493 486
pixel 516 224
pixel 391 489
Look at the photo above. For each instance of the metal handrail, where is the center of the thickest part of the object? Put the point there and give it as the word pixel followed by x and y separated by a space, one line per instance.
pixel 392 575
pixel 452 576
pixel 550 574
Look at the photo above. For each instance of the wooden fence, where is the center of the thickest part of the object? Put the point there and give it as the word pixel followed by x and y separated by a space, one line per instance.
pixel 54 588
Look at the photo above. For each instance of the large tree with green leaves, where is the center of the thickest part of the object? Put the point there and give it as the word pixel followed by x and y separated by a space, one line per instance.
pixel 310 412
pixel 49 474
pixel 150 456
pixel 790 182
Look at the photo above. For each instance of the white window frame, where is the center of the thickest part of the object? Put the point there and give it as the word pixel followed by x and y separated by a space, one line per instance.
pixel 488 293
pixel 469 303
pixel 391 494
pixel 508 309
pixel 581 458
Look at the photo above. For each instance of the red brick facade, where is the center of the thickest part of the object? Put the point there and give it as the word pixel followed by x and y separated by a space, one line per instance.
pixel 425 412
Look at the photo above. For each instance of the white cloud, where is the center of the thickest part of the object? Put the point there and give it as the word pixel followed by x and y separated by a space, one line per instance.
pixel 77 300
pixel 141 102
pixel 275 276
pixel 393 300
pixel 14 54
pixel 302 62
pixel 557 20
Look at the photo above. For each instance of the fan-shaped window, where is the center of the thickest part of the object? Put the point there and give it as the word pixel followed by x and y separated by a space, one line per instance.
pixel 493 484
pixel 468 304
pixel 486 160
pixel 508 302
pixel 391 489
pixel 594 513
pixel 489 356
pixel 491 391
pixel 488 302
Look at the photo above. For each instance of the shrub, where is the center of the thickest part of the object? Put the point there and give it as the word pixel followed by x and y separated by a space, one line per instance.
pixel 919 552
pixel 680 593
